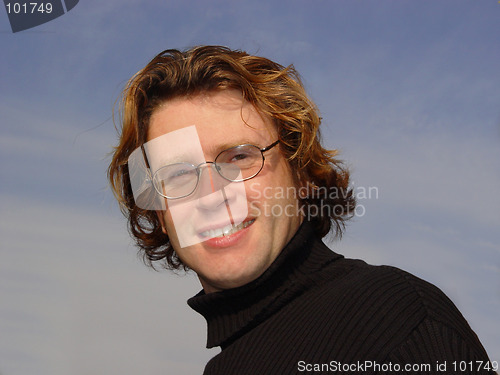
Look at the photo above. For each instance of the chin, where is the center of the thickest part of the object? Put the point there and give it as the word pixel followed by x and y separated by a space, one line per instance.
pixel 229 278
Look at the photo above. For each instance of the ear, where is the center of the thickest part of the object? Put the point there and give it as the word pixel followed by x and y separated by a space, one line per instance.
pixel 162 221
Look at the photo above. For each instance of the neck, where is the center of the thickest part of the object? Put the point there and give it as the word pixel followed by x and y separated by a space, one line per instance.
pixel 231 312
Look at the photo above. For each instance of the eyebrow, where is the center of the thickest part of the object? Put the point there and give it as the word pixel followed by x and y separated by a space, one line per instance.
pixel 216 150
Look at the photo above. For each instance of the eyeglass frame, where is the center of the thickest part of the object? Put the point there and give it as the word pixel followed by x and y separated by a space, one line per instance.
pixel 197 168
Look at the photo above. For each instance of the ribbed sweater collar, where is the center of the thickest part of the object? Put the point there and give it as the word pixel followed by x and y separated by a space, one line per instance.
pixel 231 313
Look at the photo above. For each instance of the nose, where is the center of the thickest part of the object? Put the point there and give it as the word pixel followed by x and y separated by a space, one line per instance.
pixel 212 192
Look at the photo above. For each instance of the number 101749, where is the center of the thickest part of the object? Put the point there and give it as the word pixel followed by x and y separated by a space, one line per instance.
pixel 28 8
pixel 474 366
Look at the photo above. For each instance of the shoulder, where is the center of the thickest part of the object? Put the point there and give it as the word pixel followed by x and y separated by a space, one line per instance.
pixel 380 292
pixel 394 309
pixel 393 292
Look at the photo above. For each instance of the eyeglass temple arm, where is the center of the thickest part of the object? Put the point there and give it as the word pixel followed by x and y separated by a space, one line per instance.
pixel 145 157
pixel 146 161
pixel 270 146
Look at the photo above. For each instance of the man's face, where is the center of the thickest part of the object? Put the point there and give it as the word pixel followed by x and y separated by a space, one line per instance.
pixel 223 120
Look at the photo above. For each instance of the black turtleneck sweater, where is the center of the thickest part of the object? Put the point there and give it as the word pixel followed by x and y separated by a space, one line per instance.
pixel 313 311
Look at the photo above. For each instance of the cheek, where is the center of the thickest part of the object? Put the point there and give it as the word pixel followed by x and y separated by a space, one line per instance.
pixel 168 226
pixel 269 198
pixel 258 192
pixel 168 220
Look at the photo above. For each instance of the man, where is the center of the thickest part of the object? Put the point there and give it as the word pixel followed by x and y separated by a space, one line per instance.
pixel 220 170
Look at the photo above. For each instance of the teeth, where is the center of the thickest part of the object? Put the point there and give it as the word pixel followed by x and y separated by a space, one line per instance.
pixel 225 231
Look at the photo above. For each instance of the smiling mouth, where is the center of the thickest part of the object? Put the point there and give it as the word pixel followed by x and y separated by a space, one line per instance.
pixel 225 231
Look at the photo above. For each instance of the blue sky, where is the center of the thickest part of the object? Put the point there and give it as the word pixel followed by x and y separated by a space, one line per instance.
pixel 408 91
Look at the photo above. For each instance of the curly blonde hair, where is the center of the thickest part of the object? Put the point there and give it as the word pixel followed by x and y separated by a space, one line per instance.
pixel 272 89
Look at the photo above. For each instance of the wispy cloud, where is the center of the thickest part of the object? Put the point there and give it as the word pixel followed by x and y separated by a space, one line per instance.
pixel 72 288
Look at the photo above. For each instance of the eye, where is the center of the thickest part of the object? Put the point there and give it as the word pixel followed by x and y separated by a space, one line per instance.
pixel 181 172
pixel 239 156
pixel 181 177
pixel 175 173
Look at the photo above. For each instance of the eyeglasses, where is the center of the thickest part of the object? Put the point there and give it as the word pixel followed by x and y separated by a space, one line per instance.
pixel 236 164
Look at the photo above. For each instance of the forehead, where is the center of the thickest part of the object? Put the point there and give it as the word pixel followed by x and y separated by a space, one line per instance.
pixel 222 116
